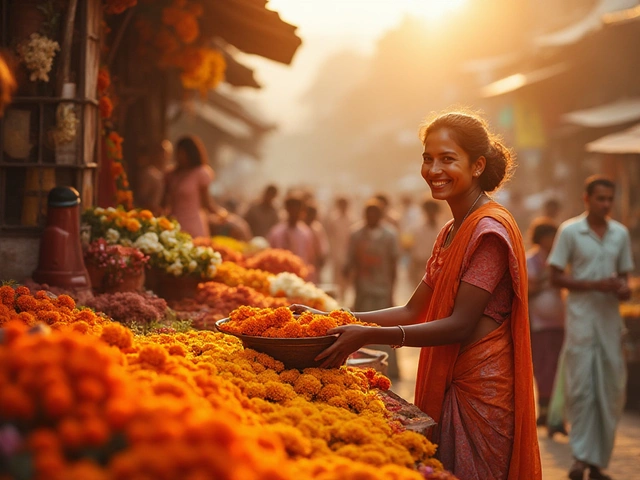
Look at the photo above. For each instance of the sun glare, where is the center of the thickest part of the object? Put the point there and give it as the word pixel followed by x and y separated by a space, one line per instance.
pixel 430 9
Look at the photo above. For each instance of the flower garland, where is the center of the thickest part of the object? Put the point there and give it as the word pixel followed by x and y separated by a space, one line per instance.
pixel 113 142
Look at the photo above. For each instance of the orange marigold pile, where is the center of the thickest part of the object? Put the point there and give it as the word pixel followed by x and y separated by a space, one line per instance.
pixel 282 323
pixel 57 312
pixel 276 260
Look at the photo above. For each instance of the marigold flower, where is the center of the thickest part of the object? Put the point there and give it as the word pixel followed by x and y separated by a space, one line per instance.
pixel 145 215
pixel 104 80
pixel 71 432
pixel 154 355
pixel 66 301
pixel 7 295
pixel 57 401
pixel 106 107
pixel 133 225
pixel 15 404
pixel 117 335
pixel 165 224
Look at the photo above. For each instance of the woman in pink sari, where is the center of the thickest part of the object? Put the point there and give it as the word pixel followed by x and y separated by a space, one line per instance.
pixel 187 187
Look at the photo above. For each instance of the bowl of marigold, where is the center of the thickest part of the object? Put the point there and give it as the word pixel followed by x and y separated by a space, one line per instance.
pixel 294 339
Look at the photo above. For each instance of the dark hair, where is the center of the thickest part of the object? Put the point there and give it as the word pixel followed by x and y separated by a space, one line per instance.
pixel 342 201
pixel 374 204
pixel 294 199
pixel 472 134
pixel 194 150
pixel 540 228
pixel 271 189
pixel 383 198
pixel 593 181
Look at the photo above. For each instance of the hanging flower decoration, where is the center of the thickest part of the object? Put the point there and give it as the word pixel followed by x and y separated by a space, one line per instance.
pixel 208 74
pixel 124 195
pixel 38 53
pixel 173 34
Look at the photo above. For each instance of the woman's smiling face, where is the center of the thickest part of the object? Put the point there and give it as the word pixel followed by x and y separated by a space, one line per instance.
pixel 446 167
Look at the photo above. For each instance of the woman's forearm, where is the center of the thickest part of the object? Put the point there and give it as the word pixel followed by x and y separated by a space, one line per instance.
pixel 389 317
pixel 438 332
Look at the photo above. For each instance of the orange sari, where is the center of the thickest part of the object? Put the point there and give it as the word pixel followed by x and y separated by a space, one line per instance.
pixel 482 396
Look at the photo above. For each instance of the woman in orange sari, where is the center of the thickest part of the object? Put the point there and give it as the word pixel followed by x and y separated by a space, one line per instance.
pixel 469 313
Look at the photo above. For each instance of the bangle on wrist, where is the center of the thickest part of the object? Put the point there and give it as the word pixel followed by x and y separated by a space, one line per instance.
pixel 404 337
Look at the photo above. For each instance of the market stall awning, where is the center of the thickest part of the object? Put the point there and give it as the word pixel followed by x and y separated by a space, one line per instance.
pixel 518 80
pixel 627 141
pixel 621 17
pixel 252 28
pixel 236 73
pixel 610 114
pixel 592 21
pixel 237 111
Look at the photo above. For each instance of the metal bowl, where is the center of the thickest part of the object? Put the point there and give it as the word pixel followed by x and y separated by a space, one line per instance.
pixel 297 353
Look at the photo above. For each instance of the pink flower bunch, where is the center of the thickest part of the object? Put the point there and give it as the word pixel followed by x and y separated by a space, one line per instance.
pixel 117 261
pixel 129 307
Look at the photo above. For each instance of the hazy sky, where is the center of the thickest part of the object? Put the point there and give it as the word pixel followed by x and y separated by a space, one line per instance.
pixel 325 27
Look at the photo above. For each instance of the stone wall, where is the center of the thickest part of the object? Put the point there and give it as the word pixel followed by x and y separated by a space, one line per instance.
pixel 18 257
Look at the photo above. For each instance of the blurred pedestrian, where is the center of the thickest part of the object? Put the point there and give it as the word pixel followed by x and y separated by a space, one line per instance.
pixel 551 209
pixel 187 195
pixel 320 240
pixel 546 313
pixel 263 214
pixel 227 223
pixel 151 184
pixel 372 260
pixel 597 250
pixel 292 233
pixel 338 227
pixel 389 214
pixel 424 237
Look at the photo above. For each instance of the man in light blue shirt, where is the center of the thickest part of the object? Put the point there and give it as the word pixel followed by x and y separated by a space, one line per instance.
pixel 591 257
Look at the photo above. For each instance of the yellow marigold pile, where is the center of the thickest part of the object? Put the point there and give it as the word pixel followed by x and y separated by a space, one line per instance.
pixel 232 274
pixel 282 323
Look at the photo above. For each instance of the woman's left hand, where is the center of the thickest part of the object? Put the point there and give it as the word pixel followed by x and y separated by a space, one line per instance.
pixel 350 339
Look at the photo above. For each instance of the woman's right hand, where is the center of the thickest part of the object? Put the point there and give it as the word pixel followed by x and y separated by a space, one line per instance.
pixel 299 309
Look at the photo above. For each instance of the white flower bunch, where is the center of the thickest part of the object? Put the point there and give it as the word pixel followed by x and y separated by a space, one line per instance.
pixel 37 53
pixel 112 236
pixel 256 244
pixel 66 124
pixel 295 287
pixel 148 243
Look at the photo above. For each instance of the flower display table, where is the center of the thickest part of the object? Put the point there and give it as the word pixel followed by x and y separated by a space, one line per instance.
pixel 407 414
